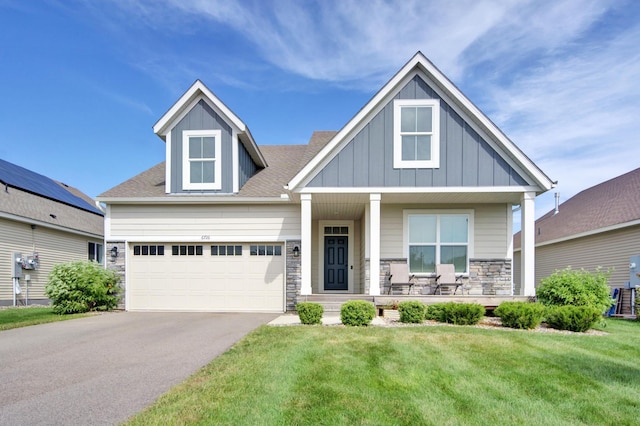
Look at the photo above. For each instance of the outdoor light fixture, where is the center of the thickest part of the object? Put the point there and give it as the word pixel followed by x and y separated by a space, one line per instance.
pixel 296 251
pixel 114 252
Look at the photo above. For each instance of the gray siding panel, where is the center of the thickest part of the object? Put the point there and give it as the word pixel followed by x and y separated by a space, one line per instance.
pixel 376 149
pixel 485 164
pixel 465 158
pixel 345 166
pixel 453 160
pixel 247 167
pixel 201 117
pixel 361 157
pixel 470 160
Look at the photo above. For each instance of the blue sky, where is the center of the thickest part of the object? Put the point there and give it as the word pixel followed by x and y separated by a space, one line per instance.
pixel 83 81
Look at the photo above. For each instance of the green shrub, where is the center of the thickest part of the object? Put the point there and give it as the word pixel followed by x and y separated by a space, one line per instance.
pixel 455 313
pixel 310 312
pixel 82 286
pixel 576 288
pixel 435 312
pixel 522 315
pixel 357 312
pixel 411 311
pixel 573 318
pixel 463 313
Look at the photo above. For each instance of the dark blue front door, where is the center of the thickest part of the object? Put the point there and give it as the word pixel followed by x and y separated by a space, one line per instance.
pixel 335 263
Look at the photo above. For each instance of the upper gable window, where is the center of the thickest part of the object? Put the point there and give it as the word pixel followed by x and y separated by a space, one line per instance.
pixel 416 133
pixel 201 159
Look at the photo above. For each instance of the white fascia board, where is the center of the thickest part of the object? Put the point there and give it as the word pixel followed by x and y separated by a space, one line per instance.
pixel 198 91
pixel 50 226
pixel 205 239
pixel 586 234
pixel 420 65
pixel 195 199
pixel 421 190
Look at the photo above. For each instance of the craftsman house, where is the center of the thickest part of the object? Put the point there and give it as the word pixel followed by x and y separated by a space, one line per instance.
pixel 418 176
pixel 43 222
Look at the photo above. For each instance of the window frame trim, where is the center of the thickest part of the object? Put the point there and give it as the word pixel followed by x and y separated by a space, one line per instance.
pixel 398 162
pixel 470 213
pixel 98 249
pixel 186 160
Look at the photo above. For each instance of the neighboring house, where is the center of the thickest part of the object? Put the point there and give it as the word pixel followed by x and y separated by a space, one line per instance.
pixel 418 175
pixel 600 226
pixel 46 222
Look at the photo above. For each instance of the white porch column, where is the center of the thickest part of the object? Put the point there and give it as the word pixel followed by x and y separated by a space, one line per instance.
pixel 305 249
pixel 374 244
pixel 528 244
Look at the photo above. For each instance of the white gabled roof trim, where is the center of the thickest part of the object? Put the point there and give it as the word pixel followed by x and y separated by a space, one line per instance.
pixel 198 91
pixel 446 89
pixel 586 234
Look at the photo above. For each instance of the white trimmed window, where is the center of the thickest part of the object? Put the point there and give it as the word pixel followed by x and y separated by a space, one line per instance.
pixel 437 238
pixel 95 252
pixel 201 159
pixel 416 133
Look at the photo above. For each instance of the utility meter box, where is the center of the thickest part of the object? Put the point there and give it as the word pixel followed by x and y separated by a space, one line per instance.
pixel 17 265
pixel 634 272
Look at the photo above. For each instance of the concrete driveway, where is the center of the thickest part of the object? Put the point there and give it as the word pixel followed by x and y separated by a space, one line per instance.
pixel 104 369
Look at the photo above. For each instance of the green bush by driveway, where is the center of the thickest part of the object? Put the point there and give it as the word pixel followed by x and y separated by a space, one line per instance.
pixel 84 286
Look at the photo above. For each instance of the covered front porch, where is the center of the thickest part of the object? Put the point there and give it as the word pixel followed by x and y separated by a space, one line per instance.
pixel 348 238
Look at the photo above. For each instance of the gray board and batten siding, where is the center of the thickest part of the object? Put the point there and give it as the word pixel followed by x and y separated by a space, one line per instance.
pixel 247 166
pixel 202 117
pixel 465 158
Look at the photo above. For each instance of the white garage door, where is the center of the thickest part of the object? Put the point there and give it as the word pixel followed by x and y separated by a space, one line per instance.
pixel 211 277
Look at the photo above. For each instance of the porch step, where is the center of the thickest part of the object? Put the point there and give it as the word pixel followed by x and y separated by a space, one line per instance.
pixel 333 302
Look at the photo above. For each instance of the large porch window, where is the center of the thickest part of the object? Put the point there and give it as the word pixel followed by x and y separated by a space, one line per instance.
pixel 436 238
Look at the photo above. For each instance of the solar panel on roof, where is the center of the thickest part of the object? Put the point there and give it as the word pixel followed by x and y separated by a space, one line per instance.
pixel 19 177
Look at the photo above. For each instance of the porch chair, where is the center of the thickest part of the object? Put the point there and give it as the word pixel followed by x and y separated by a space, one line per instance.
pixel 399 276
pixel 446 277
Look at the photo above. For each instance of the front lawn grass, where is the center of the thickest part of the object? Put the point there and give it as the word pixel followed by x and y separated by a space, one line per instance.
pixel 23 317
pixel 308 375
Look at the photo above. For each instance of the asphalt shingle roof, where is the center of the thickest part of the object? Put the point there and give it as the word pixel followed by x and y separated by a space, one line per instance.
pixel 284 161
pixel 610 203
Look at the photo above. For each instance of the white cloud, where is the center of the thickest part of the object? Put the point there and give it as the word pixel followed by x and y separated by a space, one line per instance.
pixel 346 42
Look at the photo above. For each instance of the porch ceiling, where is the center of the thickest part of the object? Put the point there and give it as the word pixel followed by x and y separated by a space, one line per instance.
pixel 352 206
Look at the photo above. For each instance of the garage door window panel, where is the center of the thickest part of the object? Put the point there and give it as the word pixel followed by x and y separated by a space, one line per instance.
pixel 265 250
pixel 148 250
pixel 186 250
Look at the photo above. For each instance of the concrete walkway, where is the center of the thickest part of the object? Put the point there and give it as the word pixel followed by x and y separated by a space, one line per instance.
pixel 101 370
